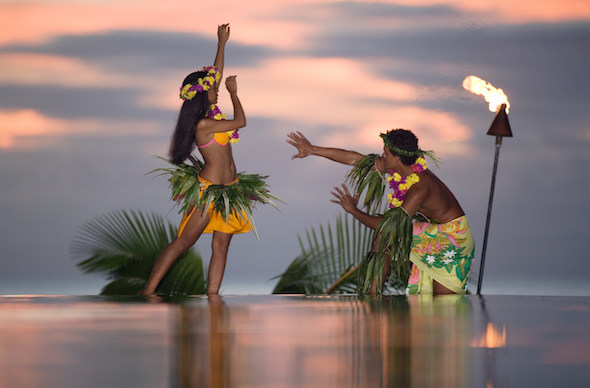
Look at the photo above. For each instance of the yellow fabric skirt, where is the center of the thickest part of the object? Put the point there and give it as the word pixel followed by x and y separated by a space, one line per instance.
pixel 441 252
pixel 235 223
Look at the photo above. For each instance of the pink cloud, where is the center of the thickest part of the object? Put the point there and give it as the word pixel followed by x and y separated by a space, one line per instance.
pixel 442 132
pixel 267 23
pixel 335 91
pixel 506 11
pixel 27 128
pixel 25 123
pixel 37 22
pixel 43 69
pixel 343 93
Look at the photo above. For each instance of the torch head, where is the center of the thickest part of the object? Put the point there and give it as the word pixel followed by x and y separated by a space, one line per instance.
pixel 500 126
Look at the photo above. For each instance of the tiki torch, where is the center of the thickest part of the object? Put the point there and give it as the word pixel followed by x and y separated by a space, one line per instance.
pixel 500 128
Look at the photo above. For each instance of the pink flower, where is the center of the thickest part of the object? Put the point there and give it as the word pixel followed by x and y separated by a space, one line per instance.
pixel 417 168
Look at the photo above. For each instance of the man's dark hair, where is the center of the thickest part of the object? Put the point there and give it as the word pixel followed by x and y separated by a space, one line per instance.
pixel 405 140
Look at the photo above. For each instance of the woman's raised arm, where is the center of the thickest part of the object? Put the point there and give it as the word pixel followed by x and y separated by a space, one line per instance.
pixel 222 38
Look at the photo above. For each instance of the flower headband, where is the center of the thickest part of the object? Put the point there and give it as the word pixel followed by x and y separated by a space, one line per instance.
pixel 418 152
pixel 188 91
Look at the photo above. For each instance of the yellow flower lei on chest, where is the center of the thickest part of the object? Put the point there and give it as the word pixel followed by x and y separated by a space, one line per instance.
pixel 216 114
pixel 401 184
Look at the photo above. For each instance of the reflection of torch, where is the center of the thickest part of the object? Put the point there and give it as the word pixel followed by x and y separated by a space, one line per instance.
pixel 493 337
pixel 499 128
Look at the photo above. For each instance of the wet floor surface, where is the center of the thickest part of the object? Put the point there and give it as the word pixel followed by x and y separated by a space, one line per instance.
pixel 295 341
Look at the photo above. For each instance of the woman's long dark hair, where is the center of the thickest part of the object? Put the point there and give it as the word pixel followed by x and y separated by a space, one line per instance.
pixel 191 112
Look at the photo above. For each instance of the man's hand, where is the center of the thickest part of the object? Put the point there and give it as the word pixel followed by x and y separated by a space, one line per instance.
pixel 343 198
pixel 297 140
pixel 223 33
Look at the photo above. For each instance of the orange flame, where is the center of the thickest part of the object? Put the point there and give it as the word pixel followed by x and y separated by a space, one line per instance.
pixel 495 97
pixel 492 338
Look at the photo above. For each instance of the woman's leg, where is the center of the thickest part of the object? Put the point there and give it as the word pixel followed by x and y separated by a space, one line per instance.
pixel 191 233
pixel 219 249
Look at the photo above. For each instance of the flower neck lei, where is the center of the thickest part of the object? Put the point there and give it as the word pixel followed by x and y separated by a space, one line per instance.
pixel 189 91
pixel 401 184
pixel 216 114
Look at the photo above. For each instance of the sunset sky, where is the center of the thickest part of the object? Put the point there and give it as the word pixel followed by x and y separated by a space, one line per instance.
pixel 89 92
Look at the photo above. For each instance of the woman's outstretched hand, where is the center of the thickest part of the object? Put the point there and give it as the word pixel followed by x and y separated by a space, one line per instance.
pixel 297 140
pixel 223 33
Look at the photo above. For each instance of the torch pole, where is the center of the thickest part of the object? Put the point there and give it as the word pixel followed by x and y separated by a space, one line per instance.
pixel 491 200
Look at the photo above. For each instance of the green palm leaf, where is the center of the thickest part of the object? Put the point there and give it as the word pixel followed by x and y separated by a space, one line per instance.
pixel 329 259
pixel 123 245
pixel 338 260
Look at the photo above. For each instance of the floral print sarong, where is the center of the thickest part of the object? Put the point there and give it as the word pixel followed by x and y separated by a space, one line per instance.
pixel 441 252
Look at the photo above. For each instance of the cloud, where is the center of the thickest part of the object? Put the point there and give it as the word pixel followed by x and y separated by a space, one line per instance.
pixel 137 51
pixel 28 129
pixel 505 11
pixel 440 130
pixel 344 94
pixel 29 68
pixel 125 74
pixel 39 22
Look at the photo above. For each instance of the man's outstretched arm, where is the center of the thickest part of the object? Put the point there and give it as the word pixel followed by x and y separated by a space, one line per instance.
pixel 305 148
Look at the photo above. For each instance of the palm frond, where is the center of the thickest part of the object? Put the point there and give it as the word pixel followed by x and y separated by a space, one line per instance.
pixel 297 279
pixel 123 246
pixel 328 260
pixel 339 260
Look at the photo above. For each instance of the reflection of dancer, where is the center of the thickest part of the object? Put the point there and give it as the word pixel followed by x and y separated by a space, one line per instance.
pixel 201 122
pixel 204 344
pixel 441 249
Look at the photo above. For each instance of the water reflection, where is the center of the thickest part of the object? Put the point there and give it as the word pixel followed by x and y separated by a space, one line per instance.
pixel 329 342
pixel 294 341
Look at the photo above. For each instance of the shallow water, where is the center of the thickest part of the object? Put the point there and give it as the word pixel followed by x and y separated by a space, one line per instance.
pixel 294 341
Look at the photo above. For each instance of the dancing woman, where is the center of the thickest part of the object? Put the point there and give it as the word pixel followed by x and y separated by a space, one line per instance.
pixel 201 123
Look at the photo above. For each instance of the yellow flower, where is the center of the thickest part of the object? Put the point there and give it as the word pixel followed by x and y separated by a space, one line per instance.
pixel 397 177
pixel 395 202
pixel 186 94
pixel 412 179
pixel 185 88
